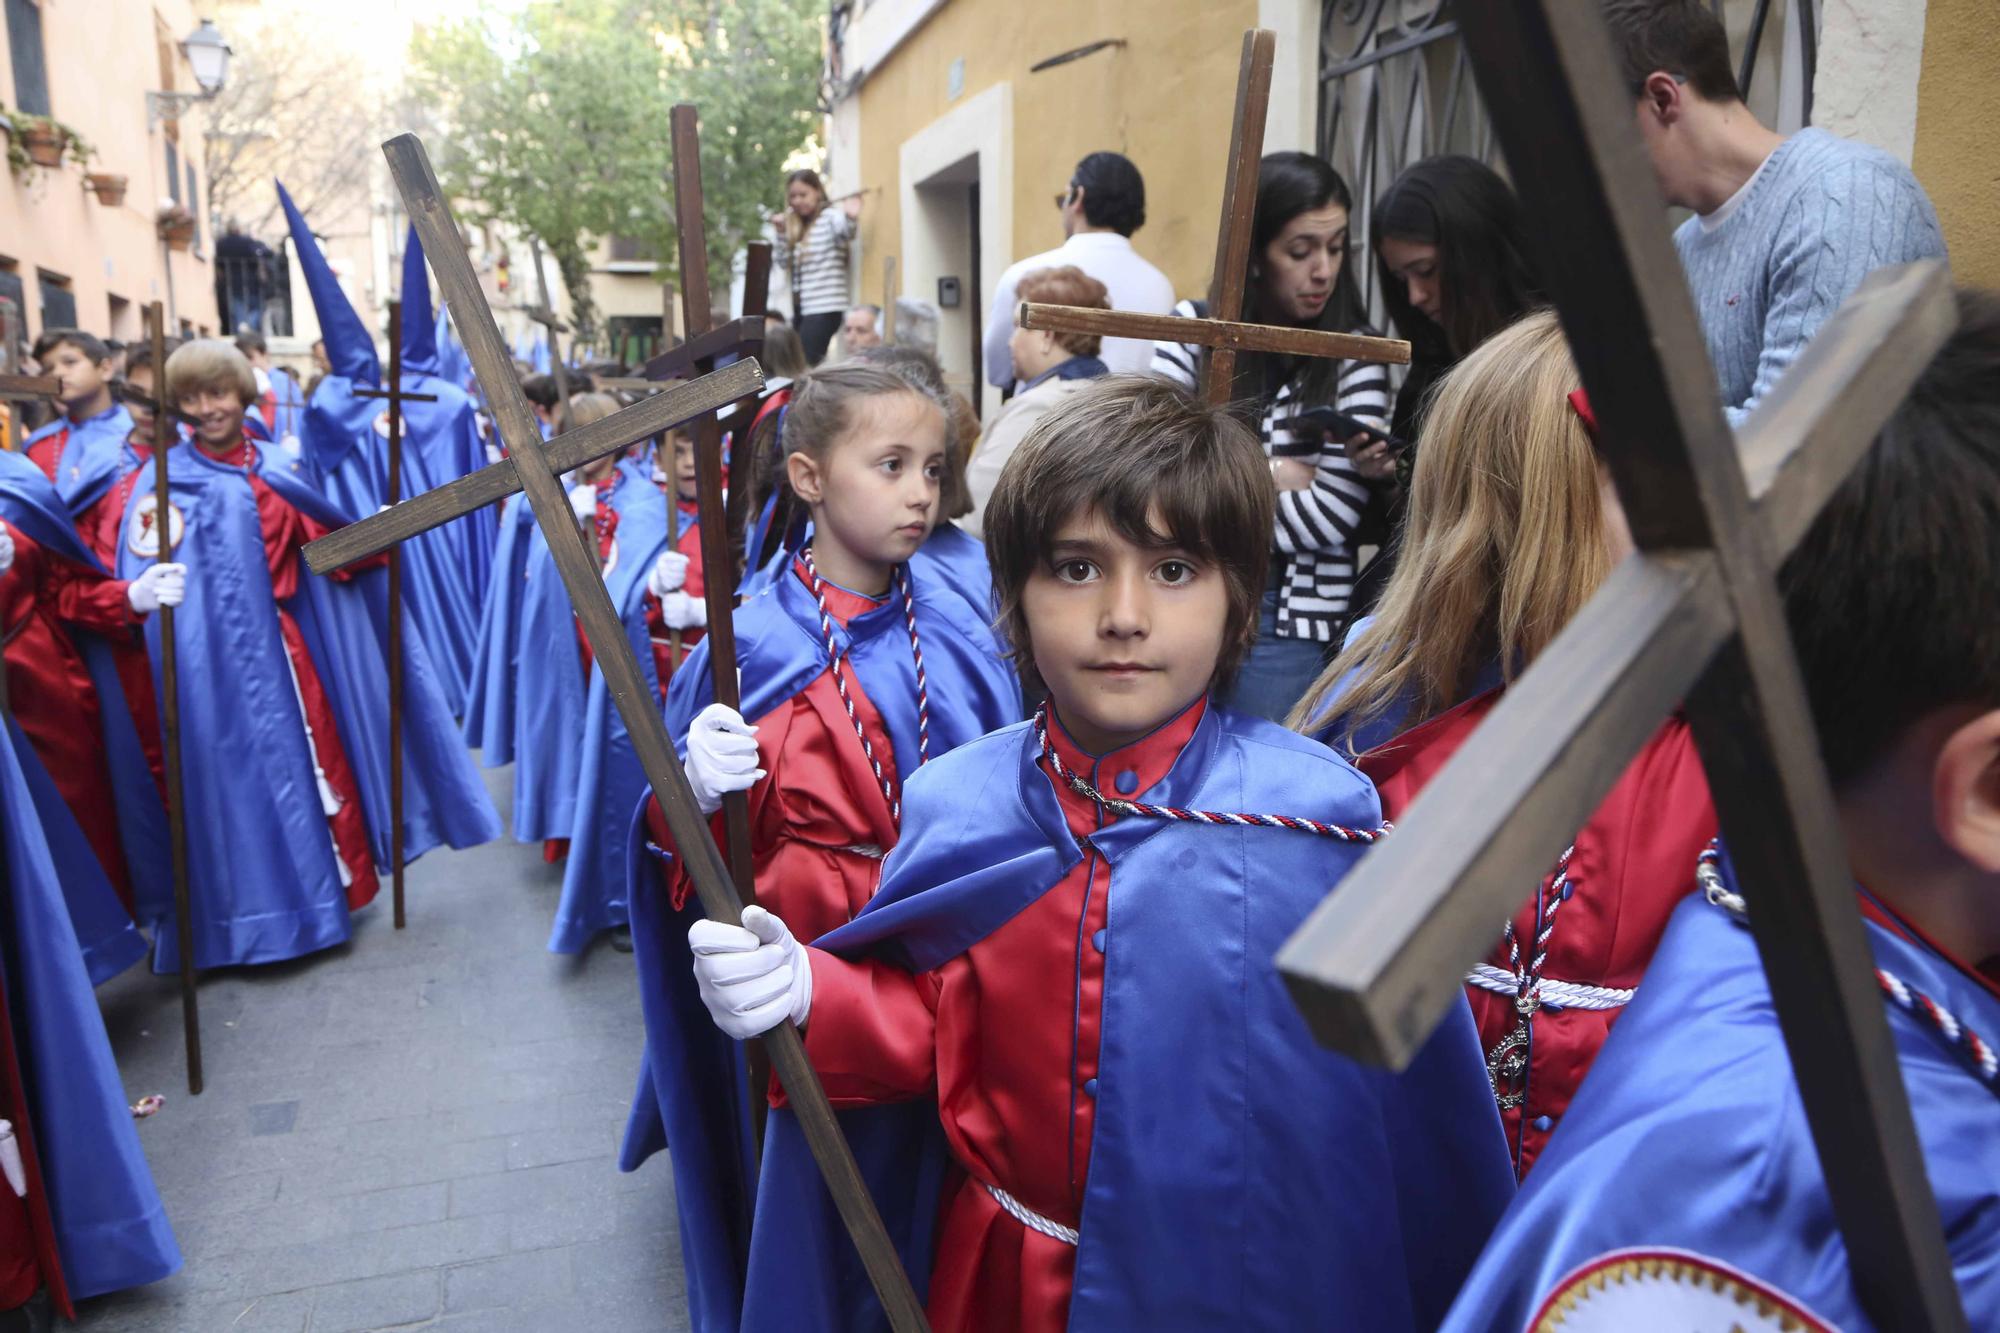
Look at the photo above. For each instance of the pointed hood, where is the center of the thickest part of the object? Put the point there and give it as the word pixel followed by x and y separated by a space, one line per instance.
pixel 420 355
pixel 349 348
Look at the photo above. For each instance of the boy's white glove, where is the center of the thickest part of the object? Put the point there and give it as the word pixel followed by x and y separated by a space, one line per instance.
pixel 682 611
pixel 11 1165
pixel 160 585
pixel 722 756
pixel 583 499
pixel 669 574
pixel 6 549
pixel 753 976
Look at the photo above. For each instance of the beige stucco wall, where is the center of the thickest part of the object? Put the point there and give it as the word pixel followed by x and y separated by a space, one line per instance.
pixel 101 59
pixel 1957 154
pixel 1163 100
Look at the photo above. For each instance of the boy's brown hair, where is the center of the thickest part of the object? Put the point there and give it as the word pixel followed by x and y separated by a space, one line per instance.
pixel 1067 285
pixel 1163 469
pixel 1679 37
pixel 209 363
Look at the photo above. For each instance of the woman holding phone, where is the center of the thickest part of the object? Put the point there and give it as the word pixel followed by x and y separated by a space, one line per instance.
pixel 1299 275
pixel 811 239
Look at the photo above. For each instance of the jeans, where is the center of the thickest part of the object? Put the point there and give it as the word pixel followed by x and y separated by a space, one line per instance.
pixel 816 332
pixel 1277 672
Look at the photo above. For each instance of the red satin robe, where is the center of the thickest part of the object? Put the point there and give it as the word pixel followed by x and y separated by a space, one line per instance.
pixel 29 1258
pixel 50 689
pixel 1017 1094
pixel 818 799
pixel 1633 863
pixel 46 453
pixel 689 545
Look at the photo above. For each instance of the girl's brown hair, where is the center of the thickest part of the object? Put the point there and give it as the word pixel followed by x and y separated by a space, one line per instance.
pixel 209 363
pixel 1504 540
pixel 1164 469
pixel 796 226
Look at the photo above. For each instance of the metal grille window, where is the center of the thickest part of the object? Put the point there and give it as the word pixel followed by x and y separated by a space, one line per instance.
pixel 1395 87
pixel 24 46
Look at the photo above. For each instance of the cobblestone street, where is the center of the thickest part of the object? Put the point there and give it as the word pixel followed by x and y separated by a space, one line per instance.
pixel 417 1130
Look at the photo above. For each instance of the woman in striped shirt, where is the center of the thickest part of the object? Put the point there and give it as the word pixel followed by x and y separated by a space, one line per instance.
pixel 1299 275
pixel 811 240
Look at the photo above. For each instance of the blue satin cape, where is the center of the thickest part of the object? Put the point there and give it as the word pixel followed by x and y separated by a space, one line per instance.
pixel 111 1228
pixel 1690 1133
pixel 496 656
pixel 89 459
pixel 691 1089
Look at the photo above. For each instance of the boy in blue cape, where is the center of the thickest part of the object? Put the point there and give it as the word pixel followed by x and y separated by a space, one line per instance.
pixel 78 451
pixel 284 691
pixel 345 452
pixel 89 1220
pixel 1689 1135
pixel 1068 963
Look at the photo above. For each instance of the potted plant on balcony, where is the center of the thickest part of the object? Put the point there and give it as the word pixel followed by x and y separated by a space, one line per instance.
pixel 45 140
pixel 109 189
pixel 175 226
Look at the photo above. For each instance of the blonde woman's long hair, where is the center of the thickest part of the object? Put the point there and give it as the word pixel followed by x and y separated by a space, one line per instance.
pixel 1504 540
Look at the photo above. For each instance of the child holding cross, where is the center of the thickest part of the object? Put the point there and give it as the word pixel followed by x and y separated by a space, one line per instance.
pixel 1070 951
pixel 1690 1134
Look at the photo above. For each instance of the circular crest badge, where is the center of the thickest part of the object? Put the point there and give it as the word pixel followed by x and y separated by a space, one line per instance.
pixel 382 426
pixel 143 537
pixel 1655 1290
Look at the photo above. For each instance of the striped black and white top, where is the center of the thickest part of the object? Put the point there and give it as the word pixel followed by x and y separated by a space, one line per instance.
pixel 1315 531
pixel 818 263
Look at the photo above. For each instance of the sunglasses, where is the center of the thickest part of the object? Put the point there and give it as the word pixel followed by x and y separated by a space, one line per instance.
pixel 1062 200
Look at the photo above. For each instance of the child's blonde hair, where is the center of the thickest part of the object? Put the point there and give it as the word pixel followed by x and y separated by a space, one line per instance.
pixel 1503 544
pixel 210 363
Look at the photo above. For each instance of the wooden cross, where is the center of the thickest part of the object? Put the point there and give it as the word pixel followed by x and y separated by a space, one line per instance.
pixel 1221 332
pixel 546 317
pixel 25 389
pixel 1695 616
pixel 394 393
pixel 533 467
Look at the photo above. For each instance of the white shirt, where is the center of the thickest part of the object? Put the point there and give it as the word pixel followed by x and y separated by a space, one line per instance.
pixel 1133 284
pixel 1711 220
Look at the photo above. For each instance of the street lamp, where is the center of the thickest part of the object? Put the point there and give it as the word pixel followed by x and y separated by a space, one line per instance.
pixel 208 55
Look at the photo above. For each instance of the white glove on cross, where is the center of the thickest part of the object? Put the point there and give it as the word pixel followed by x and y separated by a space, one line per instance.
pixel 6 550
pixel 669 574
pixel 160 585
pixel 752 977
pixel 583 499
pixel 682 611
pixel 722 756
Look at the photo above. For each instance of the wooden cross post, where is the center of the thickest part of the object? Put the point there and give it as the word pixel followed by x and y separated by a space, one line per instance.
pixel 25 389
pixel 532 466
pixel 394 393
pixel 546 317
pixel 165 431
pixel 1694 615
pixel 1221 332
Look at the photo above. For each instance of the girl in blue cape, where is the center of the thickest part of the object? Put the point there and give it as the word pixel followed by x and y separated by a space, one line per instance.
pixel 283 692
pixel 859 668
pixel 1068 969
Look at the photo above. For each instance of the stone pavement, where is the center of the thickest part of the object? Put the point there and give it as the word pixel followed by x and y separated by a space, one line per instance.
pixel 418 1130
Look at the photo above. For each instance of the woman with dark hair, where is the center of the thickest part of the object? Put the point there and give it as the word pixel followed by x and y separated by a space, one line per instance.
pixel 1453 262
pixel 811 240
pixel 1299 275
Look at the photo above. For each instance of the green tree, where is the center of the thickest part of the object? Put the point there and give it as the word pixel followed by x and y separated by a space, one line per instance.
pixel 554 118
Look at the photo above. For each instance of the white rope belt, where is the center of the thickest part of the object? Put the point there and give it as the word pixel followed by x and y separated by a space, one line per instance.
pixel 1554 994
pixel 1029 1218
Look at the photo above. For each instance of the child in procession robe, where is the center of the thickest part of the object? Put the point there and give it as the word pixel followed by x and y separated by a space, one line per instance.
pixel 78 451
pixel 858 668
pixel 283 691
pixel 1513 524
pixel 1141 1130
pixel 1690 1134
pixel 677 612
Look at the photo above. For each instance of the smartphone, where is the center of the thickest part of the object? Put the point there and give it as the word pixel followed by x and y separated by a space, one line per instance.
pixel 1342 426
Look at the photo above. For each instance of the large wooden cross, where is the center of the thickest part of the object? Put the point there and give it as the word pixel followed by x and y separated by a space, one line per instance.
pixel 533 466
pixel 1694 615
pixel 25 389
pixel 1221 332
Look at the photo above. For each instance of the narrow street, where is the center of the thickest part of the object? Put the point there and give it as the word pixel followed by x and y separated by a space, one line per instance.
pixel 417 1130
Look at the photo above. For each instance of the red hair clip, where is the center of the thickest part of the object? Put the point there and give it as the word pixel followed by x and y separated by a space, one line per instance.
pixel 1579 402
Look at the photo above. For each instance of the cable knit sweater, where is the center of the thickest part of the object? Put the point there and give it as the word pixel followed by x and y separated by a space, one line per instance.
pixel 1822 214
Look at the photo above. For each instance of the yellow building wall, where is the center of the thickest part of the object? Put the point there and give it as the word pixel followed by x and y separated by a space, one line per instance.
pixel 1163 100
pixel 1957 155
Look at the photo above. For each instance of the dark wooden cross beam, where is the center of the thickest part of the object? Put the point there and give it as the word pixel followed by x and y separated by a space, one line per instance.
pixel 546 317
pixel 26 389
pixel 533 465
pixel 1221 332
pixel 396 398
pixel 1694 615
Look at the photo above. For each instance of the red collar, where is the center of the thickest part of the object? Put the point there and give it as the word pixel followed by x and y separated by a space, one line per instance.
pixel 1129 771
pixel 841 604
pixel 1885 916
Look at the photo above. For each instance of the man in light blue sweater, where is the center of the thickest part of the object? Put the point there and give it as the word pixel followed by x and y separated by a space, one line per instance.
pixel 1785 228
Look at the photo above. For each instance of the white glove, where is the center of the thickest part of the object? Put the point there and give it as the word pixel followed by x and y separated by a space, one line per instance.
pixel 669 574
pixel 6 549
pixel 160 585
pixel 753 976
pixel 682 611
pixel 493 454
pixel 583 499
pixel 722 756
pixel 16 1172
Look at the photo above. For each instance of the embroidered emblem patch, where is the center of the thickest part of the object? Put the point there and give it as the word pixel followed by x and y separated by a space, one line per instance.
pixel 1654 1290
pixel 142 536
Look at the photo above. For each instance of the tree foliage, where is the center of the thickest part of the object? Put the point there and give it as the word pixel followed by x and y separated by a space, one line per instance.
pixel 554 118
